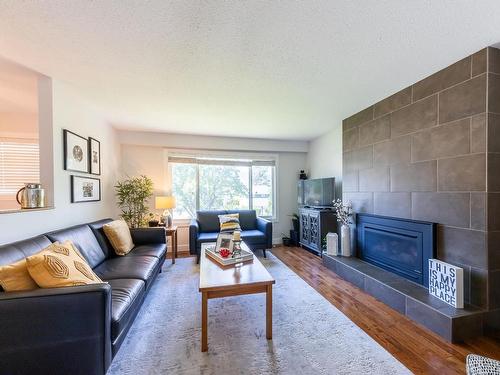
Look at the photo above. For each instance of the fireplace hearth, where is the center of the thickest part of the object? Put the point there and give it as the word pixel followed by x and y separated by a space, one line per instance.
pixel 392 266
pixel 400 246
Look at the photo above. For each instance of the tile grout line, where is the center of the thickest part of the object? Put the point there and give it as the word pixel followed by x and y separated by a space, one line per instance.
pixel 486 210
pixel 426 97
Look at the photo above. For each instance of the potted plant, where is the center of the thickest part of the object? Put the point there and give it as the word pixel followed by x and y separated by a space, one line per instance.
pixel 132 194
pixel 153 221
pixel 287 241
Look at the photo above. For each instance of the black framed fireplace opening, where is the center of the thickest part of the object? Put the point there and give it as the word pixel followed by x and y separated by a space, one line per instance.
pixel 401 246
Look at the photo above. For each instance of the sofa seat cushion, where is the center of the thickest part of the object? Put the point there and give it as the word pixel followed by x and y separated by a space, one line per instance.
pixel 155 250
pixel 126 300
pixel 128 267
pixel 249 236
pixel 253 237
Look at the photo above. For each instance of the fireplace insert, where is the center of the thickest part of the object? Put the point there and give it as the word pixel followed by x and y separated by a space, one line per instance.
pixel 402 246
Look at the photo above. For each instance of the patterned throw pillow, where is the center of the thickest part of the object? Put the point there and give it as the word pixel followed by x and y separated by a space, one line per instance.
pixel 60 265
pixel 229 223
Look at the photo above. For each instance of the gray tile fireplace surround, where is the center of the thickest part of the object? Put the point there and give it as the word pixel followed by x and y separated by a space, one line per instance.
pixel 410 299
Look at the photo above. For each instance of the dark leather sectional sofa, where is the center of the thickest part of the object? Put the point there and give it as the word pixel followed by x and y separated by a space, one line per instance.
pixel 77 330
pixel 255 231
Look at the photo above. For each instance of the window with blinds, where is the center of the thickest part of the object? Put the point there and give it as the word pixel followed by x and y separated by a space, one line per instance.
pixel 211 183
pixel 19 163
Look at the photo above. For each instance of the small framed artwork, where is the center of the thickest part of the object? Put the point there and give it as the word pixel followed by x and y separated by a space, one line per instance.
pixel 85 189
pixel 95 156
pixel 224 240
pixel 76 151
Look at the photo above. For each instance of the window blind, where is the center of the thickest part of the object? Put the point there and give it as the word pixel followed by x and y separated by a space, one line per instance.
pixel 19 163
pixel 214 161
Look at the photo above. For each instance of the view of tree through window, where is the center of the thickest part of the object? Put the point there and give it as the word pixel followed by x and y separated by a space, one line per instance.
pixel 184 189
pixel 262 190
pixel 209 186
pixel 223 186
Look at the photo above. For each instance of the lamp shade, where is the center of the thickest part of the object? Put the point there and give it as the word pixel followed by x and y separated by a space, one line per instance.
pixel 163 203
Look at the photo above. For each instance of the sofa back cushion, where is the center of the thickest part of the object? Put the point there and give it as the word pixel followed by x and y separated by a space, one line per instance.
pixel 84 240
pixel 15 251
pixel 248 218
pixel 208 221
pixel 101 237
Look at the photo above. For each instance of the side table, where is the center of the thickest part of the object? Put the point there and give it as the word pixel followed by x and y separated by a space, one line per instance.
pixel 172 233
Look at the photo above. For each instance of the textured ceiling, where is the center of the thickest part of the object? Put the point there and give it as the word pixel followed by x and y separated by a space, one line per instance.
pixel 273 69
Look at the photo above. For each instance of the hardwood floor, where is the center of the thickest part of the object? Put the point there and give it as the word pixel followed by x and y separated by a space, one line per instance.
pixel 422 351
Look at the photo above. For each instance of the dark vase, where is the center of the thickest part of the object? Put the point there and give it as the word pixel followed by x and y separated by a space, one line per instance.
pixel 295 224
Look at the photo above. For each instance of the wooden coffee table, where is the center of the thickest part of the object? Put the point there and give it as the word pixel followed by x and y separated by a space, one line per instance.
pixel 218 282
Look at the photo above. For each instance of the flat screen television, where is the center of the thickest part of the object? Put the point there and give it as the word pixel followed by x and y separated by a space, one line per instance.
pixel 317 192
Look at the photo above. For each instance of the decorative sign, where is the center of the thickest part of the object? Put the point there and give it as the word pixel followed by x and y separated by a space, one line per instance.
pixel 446 282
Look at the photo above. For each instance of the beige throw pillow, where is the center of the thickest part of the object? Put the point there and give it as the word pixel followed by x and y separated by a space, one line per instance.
pixel 60 265
pixel 119 235
pixel 15 277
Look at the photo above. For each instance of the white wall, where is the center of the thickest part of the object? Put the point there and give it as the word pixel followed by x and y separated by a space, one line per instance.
pixel 288 173
pixel 72 112
pixel 19 125
pixel 210 143
pixel 325 157
pixel 150 160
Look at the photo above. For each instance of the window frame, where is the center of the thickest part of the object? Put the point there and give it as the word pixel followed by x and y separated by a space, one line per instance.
pixel 233 159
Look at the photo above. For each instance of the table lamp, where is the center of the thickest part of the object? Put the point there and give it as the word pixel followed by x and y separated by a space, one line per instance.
pixel 166 204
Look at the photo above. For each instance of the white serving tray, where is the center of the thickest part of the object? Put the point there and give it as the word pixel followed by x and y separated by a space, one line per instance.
pixel 245 257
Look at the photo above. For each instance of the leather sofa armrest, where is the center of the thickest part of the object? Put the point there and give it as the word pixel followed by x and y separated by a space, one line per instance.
pixel 147 236
pixel 56 331
pixel 194 229
pixel 266 227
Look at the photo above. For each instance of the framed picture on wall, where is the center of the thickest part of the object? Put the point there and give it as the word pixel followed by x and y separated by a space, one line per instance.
pixel 95 156
pixel 85 189
pixel 76 151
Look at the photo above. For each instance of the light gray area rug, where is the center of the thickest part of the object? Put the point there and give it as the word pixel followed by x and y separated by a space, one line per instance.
pixel 310 336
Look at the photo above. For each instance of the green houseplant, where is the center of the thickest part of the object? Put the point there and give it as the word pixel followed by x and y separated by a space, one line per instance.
pixel 132 194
